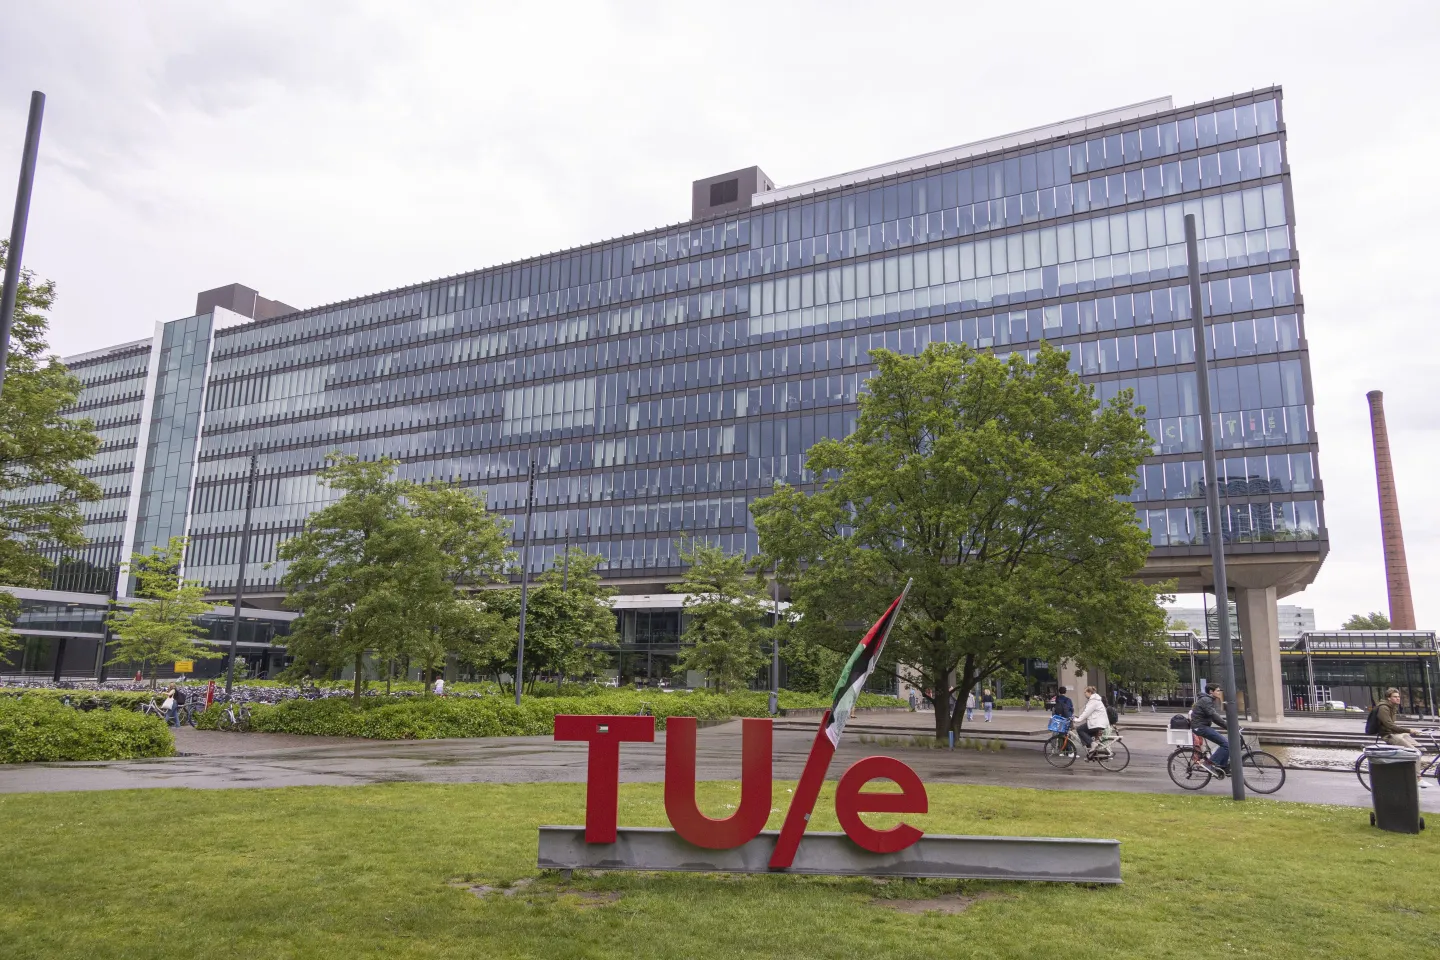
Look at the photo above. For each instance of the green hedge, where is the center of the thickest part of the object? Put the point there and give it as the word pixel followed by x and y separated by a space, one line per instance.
pixel 41 729
pixel 116 698
pixel 431 718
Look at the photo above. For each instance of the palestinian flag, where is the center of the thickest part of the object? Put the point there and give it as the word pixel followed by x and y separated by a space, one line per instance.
pixel 858 669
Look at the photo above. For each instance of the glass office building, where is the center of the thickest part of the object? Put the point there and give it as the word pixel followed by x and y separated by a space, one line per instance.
pixel 664 380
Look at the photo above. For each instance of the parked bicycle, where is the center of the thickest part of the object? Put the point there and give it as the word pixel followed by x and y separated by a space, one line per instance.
pixel 1432 746
pixel 233 718
pixel 1190 767
pixel 1062 750
pixel 153 708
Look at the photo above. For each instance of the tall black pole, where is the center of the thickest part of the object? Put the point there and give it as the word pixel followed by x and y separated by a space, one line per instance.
pixel 525 579
pixel 564 588
pixel 1212 503
pixel 775 648
pixel 100 671
pixel 15 255
pixel 240 578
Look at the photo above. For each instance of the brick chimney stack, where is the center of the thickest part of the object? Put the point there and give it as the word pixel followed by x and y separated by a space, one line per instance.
pixel 1397 574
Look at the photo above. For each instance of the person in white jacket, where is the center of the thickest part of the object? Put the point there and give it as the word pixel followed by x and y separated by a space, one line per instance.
pixel 1091 721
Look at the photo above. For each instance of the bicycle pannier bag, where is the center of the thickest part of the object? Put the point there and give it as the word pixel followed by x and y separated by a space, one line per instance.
pixel 1179 722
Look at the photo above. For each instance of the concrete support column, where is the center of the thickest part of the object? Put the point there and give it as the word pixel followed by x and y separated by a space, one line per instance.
pixel 1260 629
pixel 1074 679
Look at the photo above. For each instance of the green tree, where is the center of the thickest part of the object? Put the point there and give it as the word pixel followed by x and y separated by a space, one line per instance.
pixel 162 628
pixel 727 606
pixel 567 619
pixel 1367 621
pixel 465 545
pixel 39 446
pixel 9 611
pixel 995 485
pixel 359 571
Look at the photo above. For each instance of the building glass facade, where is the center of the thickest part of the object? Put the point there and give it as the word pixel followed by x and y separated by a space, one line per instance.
pixel 666 380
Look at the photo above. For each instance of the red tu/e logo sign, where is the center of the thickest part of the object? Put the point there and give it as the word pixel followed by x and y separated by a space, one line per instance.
pixel 605 734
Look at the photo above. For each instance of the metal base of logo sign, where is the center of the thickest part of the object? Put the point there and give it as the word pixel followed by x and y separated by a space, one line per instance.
pixel 835 854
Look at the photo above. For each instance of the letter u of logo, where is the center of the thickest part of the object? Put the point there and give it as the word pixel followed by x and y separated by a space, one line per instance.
pixel 755 786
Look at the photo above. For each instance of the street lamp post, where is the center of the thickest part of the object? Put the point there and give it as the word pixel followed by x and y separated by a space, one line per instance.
pixel 775 649
pixel 1212 503
pixel 240 578
pixel 525 579
pixel 15 254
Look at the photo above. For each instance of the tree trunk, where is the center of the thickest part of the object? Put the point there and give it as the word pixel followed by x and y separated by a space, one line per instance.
pixel 964 683
pixel 359 673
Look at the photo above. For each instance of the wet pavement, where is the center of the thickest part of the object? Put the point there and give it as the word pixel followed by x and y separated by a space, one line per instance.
pixel 231 760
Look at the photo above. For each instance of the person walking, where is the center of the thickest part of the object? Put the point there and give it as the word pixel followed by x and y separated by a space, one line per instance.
pixel 988 699
pixel 172 711
pixel 970 705
pixel 440 686
pixel 181 698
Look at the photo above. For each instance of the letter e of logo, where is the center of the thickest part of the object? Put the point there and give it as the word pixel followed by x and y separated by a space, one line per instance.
pixel 850 802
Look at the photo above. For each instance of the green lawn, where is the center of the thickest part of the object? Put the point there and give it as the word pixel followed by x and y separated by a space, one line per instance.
pixel 372 871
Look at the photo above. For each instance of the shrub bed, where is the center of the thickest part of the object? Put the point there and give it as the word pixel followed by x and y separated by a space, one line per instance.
pixel 431 718
pixel 41 729
pixel 125 699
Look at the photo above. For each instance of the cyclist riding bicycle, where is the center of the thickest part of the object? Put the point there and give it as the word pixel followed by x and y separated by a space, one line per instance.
pixel 1205 716
pixel 1092 720
pixel 1063 707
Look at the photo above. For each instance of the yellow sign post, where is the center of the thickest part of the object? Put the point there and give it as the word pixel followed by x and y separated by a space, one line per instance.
pixel 184 666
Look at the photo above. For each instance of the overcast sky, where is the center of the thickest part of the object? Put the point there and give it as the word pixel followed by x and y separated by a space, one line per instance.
pixel 319 151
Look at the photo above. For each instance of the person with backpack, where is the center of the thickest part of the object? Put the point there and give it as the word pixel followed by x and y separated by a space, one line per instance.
pixel 1381 722
pixel 1093 718
pixel 1205 716
pixel 970 705
pixel 1063 706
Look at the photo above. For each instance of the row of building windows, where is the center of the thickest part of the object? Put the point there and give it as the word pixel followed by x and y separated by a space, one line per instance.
pixel 1234 225
pixel 561 295
pixel 1239 477
pixel 1242 293
pixel 1240 523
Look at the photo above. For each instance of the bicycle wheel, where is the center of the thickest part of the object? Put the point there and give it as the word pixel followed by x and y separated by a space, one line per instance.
pixel 1362 771
pixel 226 722
pixel 1264 773
pixel 1187 774
pixel 1117 759
pixel 1059 751
pixel 192 717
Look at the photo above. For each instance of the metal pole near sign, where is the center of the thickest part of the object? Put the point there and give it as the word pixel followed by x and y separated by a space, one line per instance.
pixel 240 577
pixel 1310 673
pixel 1212 505
pixel 775 649
pixel 525 579
pixel 100 670
pixel 15 253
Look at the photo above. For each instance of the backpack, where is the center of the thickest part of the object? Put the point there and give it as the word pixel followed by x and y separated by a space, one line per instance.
pixel 1372 722
pixel 1111 715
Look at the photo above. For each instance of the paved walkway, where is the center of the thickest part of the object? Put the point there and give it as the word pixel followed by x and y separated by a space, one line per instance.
pixel 222 761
